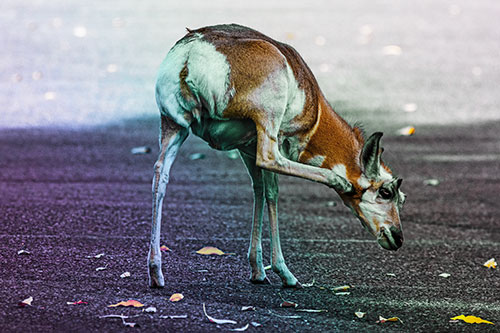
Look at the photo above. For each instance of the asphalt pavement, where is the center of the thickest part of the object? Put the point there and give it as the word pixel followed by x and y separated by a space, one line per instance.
pixel 70 195
pixel 77 94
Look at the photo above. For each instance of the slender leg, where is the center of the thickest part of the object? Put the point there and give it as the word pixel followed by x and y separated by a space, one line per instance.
pixel 171 138
pixel 258 274
pixel 277 261
pixel 269 158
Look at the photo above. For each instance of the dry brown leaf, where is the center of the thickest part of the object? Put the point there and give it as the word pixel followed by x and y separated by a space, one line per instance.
pixel 163 248
pixel 208 250
pixel 248 308
pixel 383 320
pixel 131 302
pixel 359 314
pixel 125 275
pixel 472 320
pixel 406 131
pixel 342 288
pixel 176 297
pixel 287 304
pixel 491 263
pixel 25 302
pixel 76 303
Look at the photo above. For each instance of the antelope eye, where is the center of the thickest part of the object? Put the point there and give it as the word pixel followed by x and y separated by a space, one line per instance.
pixel 385 193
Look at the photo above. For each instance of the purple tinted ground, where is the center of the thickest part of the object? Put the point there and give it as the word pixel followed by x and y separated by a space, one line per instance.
pixel 66 195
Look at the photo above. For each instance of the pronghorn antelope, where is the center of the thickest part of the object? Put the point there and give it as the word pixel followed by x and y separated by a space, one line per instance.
pixel 239 89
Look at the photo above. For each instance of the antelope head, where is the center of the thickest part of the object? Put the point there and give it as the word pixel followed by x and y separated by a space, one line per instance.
pixel 376 198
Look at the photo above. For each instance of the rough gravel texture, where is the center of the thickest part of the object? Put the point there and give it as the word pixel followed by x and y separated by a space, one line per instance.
pixel 67 195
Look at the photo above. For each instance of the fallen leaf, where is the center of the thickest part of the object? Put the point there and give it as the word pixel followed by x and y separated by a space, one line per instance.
pixel 176 297
pixel 267 267
pixel 150 309
pixel 472 320
pixel 406 131
pixel 343 293
pixel 359 314
pixel 24 252
pixel 311 310
pixel 307 285
pixel 390 274
pixel 240 329
pixel 97 256
pixel 383 320
pixel 140 150
pixel 248 308
pixel 491 263
pixel 255 324
pixel 125 275
pixel 163 248
pixel 208 250
pixel 444 275
pixel 174 317
pixel 431 182
pixel 100 268
pixel 25 302
pixel 76 303
pixel 287 304
pixel 217 321
pixel 341 288
pixel 196 156
pixel 131 302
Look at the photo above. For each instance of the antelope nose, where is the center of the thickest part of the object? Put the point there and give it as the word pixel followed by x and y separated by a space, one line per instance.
pixel 397 236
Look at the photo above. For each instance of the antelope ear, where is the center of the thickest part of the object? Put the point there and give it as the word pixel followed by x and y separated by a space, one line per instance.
pixel 370 156
pixel 398 183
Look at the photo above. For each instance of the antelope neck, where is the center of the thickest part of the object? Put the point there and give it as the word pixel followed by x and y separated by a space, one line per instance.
pixel 334 142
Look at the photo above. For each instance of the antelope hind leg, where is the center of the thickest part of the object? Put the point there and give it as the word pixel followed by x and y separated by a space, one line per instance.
pixel 171 138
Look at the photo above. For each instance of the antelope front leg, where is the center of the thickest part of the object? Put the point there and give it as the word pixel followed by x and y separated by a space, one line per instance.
pixel 277 261
pixel 269 158
pixel 172 137
pixel 258 274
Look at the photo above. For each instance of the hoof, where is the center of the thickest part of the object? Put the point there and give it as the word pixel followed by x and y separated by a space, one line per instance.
pixel 263 281
pixel 297 285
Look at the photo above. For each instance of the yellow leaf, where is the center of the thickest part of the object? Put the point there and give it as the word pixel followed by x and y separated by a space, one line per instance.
pixel 472 320
pixel 383 320
pixel 207 250
pixel 163 248
pixel 490 263
pixel 406 131
pixel 176 297
pixel 134 303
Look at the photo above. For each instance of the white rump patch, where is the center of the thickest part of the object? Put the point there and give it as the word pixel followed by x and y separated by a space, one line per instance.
pixel 208 78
